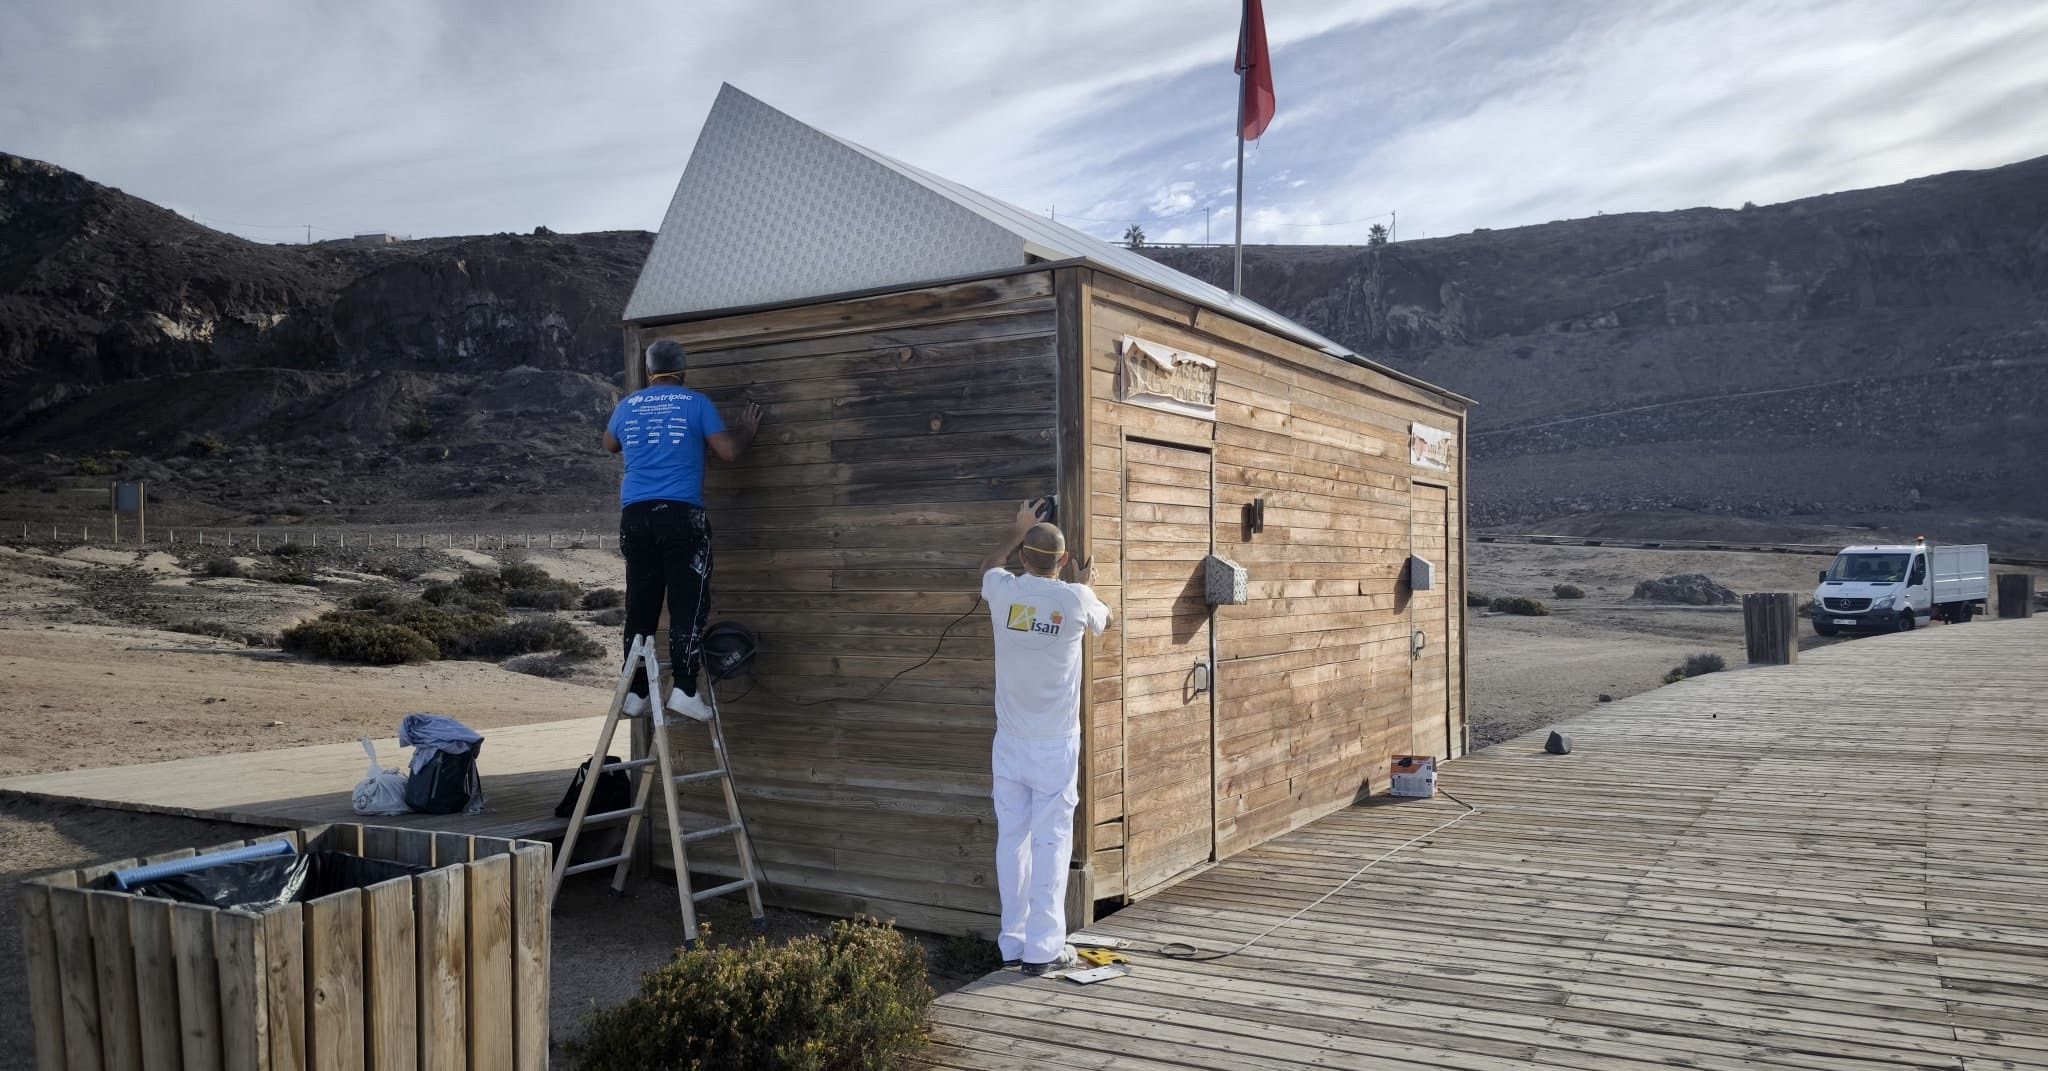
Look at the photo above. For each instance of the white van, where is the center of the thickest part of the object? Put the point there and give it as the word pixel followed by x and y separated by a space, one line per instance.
pixel 1891 589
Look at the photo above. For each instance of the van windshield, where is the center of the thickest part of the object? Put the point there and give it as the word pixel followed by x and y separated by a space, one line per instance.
pixel 1869 568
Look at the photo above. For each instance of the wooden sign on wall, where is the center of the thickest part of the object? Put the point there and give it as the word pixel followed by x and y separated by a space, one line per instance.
pixel 1429 447
pixel 1156 375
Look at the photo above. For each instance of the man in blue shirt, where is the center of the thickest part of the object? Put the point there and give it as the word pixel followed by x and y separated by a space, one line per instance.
pixel 662 431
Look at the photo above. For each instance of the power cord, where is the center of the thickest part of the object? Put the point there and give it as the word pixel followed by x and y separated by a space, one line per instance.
pixel 754 682
pixel 1183 951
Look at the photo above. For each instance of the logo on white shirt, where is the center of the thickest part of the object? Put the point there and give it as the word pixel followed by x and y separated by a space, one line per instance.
pixel 1024 618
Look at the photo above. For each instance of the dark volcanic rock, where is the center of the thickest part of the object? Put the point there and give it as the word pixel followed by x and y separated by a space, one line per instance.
pixel 1831 354
pixel 1686 589
pixel 126 327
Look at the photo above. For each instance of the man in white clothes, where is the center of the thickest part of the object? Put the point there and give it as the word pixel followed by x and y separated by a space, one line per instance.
pixel 1039 624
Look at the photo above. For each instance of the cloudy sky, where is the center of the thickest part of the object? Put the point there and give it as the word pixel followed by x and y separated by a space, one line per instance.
pixel 463 116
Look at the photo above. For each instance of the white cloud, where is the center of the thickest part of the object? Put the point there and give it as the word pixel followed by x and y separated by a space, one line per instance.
pixel 469 116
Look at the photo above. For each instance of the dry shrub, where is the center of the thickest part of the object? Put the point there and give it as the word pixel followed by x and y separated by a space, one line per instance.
pixel 1568 591
pixel 852 999
pixel 1698 665
pixel 604 599
pixel 1473 598
pixel 609 618
pixel 222 567
pixel 350 640
pixel 1521 605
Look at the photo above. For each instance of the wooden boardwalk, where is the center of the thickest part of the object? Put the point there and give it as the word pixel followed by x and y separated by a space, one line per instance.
pixel 525 769
pixel 1837 865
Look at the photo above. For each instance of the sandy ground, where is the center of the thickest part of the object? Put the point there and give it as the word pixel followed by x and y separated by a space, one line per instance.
pixel 85 682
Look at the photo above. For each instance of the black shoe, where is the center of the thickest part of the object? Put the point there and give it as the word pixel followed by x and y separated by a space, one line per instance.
pixel 1061 962
pixel 1009 963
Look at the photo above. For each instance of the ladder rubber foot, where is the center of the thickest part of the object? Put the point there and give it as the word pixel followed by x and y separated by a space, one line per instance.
pixel 761 925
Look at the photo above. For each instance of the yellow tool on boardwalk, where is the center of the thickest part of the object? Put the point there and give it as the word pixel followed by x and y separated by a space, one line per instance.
pixel 1101 957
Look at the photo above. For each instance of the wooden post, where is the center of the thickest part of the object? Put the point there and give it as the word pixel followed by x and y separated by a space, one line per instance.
pixel 1770 627
pixel 2015 595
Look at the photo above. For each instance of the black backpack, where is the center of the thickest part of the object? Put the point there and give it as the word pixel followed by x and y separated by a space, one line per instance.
pixel 445 783
pixel 614 790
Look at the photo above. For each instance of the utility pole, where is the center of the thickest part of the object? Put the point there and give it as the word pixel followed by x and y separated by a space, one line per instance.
pixel 1205 224
pixel 309 234
pixel 1394 232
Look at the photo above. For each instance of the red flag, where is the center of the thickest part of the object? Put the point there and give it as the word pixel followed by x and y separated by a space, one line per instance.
pixel 1255 109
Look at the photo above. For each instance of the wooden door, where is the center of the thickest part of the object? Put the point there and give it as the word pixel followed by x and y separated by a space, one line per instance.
pixel 1169 723
pixel 1429 616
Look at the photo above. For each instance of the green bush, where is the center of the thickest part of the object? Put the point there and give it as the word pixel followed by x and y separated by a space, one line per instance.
pixel 223 567
pixel 604 599
pixel 521 575
pixel 1568 591
pixel 92 466
pixel 293 575
pixel 1519 604
pixel 1473 598
pixel 480 582
pixel 345 640
pixel 289 550
pixel 450 631
pixel 459 598
pixel 205 446
pixel 540 598
pixel 854 998
pixel 1698 665
pixel 526 636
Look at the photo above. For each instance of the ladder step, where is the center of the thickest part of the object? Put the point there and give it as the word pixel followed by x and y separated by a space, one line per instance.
pixel 634 764
pixel 609 816
pixel 596 864
pixel 706 775
pixel 714 831
pixel 721 890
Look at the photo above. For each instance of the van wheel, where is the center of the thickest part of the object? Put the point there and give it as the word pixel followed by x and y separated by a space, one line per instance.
pixel 1965 612
pixel 1905 621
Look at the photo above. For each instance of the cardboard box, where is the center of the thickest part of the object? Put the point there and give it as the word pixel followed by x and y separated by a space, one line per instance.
pixel 1414 776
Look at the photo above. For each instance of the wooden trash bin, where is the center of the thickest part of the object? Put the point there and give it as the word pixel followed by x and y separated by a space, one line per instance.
pixel 1770 627
pixel 447 968
pixel 2015 595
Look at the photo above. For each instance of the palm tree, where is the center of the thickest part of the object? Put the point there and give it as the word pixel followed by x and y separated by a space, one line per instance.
pixel 1134 236
pixel 1376 234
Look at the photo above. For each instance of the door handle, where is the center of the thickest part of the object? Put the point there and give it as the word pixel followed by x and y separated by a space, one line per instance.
pixel 1204 677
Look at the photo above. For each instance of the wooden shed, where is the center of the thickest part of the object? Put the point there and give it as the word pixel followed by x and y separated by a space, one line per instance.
pixel 929 356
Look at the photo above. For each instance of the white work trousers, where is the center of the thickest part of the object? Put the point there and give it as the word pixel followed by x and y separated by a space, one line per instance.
pixel 1035 795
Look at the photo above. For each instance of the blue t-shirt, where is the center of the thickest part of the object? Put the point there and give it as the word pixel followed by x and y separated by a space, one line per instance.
pixel 662 431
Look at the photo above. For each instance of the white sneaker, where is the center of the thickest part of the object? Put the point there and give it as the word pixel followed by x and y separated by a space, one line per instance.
pixel 635 706
pixel 689 706
pixel 1065 958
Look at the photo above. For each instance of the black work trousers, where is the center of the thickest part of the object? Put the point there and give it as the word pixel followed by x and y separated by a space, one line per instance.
pixel 667 545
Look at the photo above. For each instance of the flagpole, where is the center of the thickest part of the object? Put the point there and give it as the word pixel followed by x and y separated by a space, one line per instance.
pixel 1243 27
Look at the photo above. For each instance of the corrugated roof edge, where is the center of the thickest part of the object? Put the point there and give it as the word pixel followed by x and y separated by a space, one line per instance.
pixel 896 288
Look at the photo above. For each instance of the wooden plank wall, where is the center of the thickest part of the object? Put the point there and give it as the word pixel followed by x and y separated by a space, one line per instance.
pixel 1313 673
pixel 356 979
pixel 902 431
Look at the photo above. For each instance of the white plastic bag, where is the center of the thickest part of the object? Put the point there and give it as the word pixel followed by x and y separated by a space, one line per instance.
pixel 383 792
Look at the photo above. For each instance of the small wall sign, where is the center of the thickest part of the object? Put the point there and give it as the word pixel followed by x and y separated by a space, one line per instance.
pixel 1429 447
pixel 1160 377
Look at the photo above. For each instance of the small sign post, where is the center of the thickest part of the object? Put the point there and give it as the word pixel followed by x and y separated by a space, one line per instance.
pixel 128 497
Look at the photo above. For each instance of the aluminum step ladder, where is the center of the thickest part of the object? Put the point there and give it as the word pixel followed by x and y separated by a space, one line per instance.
pixel 658 766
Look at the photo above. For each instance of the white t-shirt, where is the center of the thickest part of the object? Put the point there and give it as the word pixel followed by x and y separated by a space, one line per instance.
pixel 1039 623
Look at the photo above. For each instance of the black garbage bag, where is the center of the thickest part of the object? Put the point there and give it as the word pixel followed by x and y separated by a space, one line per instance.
pixel 257 884
pixel 614 790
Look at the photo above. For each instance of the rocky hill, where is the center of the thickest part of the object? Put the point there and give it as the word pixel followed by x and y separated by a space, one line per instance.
pixel 341 375
pixel 1858 354
pixel 1869 355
